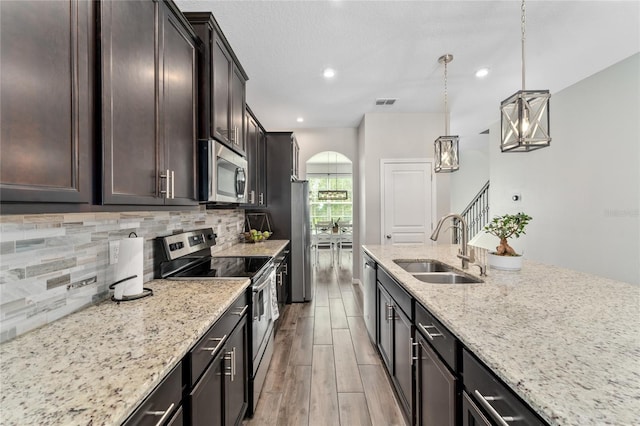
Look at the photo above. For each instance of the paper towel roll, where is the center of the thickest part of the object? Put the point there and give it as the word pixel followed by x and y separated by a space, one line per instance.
pixel 130 263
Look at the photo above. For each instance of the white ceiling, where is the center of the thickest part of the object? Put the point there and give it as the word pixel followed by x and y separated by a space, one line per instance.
pixel 391 49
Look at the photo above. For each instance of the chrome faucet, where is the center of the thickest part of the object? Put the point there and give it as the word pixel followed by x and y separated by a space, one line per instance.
pixel 463 252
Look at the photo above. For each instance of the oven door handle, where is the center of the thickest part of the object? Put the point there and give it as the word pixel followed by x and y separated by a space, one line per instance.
pixel 261 287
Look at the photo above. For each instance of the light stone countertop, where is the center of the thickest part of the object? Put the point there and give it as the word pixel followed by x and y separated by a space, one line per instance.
pixel 95 366
pixel 568 343
pixel 265 248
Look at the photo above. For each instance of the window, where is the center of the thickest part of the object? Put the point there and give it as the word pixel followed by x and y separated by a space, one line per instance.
pixel 330 210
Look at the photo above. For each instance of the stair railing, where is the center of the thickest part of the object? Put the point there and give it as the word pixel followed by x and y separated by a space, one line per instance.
pixel 476 214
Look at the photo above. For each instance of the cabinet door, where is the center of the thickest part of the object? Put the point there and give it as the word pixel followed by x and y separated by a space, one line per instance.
pixel 251 138
pixel 471 414
pixel 129 64
pixel 262 167
pixel 237 111
pixel 236 377
pixel 436 388
pixel 206 399
pixel 46 104
pixel 179 110
pixel 385 327
pixel 403 358
pixel 221 90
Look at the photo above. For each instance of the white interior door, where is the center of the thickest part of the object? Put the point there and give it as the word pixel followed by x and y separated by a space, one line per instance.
pixel 406 201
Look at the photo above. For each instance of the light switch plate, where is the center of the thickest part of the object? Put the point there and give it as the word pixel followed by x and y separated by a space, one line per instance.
pixel 114 252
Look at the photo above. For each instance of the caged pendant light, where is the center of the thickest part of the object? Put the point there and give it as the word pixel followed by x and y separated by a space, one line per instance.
pixel 525 114
pixel 446 147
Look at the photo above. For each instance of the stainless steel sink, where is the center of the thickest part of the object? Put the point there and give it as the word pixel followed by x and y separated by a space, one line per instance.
pixel 422 265
pixel 447 278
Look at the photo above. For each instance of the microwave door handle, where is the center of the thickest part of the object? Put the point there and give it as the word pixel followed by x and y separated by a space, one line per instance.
pixel 240 182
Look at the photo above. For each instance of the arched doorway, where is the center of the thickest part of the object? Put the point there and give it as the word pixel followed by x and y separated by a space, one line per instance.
pixel 330 176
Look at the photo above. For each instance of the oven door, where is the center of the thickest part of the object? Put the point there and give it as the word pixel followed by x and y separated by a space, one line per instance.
pixel 262 317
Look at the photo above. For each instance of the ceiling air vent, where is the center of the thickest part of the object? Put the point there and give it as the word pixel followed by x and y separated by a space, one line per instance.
pixel 386 101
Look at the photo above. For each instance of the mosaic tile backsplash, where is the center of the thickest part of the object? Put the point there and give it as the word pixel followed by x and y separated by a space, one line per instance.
pixel 54 264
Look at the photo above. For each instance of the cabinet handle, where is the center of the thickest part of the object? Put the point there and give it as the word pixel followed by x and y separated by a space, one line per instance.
pixel 173 184
pixel 231 357
pixel 165 176
pixel 253 197
pixel 279 279
pixel 430 335
pixel 261 199
pixel 414 351
pixel 215 348
pixel 233 364
pixel 484 400
pixel 164 414
pixel 390 316
pixel 241 312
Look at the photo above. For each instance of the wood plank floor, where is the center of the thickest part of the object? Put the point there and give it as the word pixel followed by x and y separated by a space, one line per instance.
pixel 325 371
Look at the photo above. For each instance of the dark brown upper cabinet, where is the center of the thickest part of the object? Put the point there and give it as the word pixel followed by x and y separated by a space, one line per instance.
pixel 255 139
pixel 46 109
pixel 148 60
pixel 222 85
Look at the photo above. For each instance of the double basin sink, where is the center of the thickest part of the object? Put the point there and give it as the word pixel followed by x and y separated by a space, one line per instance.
pixel 435 272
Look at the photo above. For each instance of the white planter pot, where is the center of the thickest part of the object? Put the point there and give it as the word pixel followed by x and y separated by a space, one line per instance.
pixel 505 263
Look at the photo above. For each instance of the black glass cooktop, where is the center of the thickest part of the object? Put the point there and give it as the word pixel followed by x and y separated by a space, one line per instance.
pixel 224 267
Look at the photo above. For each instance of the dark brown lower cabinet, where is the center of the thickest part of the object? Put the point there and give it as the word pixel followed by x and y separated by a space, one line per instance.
pixel 205 400
pixel 395 345
pixel 236 397
pixel 163 405
pixel 471 414
pixel 435 388
pixel 220 396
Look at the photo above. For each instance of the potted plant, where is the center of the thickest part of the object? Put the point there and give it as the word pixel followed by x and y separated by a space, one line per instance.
pixel 505 227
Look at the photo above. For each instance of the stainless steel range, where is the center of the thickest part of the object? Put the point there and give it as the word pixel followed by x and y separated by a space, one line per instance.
pixel 187 256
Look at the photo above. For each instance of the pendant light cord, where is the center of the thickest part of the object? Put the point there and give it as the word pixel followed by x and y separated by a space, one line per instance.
pixel 523 22
pixel 446 103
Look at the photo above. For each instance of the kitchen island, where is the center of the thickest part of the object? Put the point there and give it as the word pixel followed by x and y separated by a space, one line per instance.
pixel 567 343
pixel 96 365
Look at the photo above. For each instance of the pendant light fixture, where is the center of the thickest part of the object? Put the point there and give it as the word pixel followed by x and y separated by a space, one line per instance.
pixel 446 147
pixel 525 114
pixel 333 194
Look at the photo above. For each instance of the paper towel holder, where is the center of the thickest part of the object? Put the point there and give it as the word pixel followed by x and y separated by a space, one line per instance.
pixel 145 291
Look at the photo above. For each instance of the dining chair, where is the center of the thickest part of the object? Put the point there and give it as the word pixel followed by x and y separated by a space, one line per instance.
pixel 323 240
pixel 345 241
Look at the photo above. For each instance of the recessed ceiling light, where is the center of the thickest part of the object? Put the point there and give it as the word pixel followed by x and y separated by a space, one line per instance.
pixel 482 72
pixel 300 119
pixel 329 73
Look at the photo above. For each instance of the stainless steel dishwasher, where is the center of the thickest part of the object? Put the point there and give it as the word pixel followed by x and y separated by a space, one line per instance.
pixel 369 292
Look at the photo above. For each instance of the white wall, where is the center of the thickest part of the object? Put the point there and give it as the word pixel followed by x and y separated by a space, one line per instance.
pixel 344 141
pixel 391 136
pixel 583 191
pixel 473 172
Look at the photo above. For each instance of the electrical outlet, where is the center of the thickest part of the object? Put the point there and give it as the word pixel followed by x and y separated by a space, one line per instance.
pixel 114 252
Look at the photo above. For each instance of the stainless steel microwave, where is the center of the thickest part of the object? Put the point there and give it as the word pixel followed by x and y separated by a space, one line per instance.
pixel 222 173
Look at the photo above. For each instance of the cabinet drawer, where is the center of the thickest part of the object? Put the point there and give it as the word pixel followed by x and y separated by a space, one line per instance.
pixel 401 297
pixel 210 344
pixel 494 397
pixel 161 403
pixel 437 335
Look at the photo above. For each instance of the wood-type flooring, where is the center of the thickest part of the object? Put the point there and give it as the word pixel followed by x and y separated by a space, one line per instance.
pixel 325 371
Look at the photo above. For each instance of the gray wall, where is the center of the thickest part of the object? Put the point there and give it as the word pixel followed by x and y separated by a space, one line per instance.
pixel 583 191
pixel 473 172
pixel 396 136
pixel 47 258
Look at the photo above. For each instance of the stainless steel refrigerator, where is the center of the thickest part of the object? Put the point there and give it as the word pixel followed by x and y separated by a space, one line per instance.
pixel 301 284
